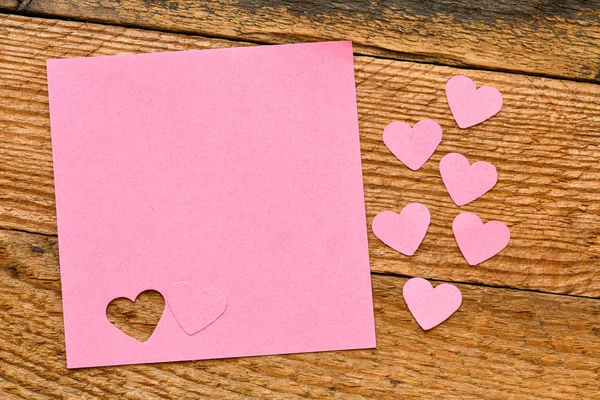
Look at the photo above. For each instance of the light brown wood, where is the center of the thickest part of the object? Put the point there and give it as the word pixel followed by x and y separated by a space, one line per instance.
pixel 501 344
pixel 137 317
pixel 544 144
pixel 9 4
pixel 554 38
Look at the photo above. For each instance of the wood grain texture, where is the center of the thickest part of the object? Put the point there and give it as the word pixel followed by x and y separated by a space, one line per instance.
pixel 9 4
pixel 137 317
pixel 552 37
pixel 501 344
pixel 544 143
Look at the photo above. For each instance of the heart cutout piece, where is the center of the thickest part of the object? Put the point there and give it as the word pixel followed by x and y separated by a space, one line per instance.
pixel 430 306
pixel 413 145
pixel 477 241
pixel 403 232
pixel 466 182
pixel 139 318
pixel 195 309
pixel 471 106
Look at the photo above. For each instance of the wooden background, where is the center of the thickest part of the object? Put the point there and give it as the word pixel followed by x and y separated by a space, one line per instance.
pixel 529 326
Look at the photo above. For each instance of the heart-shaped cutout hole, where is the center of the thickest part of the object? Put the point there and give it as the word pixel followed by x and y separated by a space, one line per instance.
pixel 139 318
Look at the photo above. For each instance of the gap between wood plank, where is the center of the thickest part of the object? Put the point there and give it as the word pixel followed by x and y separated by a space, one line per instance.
pixel 22 5
pixel 396 275
pixel 28 232
pixel 393 55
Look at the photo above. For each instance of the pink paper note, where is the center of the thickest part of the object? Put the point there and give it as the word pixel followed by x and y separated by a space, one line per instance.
pixel 233 169
pixel 195 309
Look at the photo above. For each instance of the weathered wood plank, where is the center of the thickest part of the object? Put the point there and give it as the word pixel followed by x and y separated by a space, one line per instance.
pixel 137 318
pixel 9 5
pixel 553 38
pixel 501 344
pixel 544 144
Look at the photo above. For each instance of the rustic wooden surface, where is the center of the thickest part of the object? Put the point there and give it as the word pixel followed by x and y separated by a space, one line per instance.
pixel 137 318
pixel 506 341
pixel 544 145
pixel 551 37
pixel 501 344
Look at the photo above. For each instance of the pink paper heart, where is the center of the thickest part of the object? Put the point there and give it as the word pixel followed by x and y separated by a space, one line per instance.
pixel 195 310
pixel 413 146
pixel 466 182
pixel 471 106
pixel 430 306
pixel 477 241
pixel 403 232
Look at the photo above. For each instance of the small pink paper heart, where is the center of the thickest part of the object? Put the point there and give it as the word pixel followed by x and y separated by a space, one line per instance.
pixel 466 182
pixel 477 241
pixel 195 310
pixel 403 232
pixel 430 306
pixel 413 146
pixel 471 106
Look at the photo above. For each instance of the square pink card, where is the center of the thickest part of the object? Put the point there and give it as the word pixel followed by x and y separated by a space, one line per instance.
pixel 229 181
